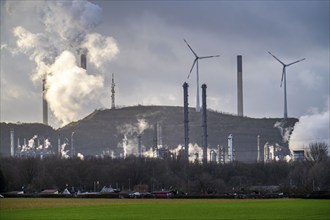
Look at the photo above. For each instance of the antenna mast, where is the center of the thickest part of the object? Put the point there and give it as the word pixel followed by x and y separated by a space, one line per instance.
pixel 113 92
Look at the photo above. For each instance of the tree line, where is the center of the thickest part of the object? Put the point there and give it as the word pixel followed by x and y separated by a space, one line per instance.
pixel 32 175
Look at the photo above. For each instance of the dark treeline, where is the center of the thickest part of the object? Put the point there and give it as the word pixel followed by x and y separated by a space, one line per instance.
pixel 33 175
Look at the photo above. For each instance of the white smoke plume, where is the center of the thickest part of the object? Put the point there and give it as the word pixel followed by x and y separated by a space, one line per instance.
pixel 131 132
pixel 67 28
pixel 80 156
pixel 311 128
pixel 285 132
pixel 70 89
pixel 64 153
pixel 100 48
pixel 70 20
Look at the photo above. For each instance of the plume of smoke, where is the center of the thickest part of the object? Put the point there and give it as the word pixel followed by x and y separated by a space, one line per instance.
pixel 100 48
pixel 311 128
pixel 64 153
pixel 70 89
pixel 39 49
pixel 71 20
pixel 285 131
pixel 193 148
pixel 67 26
pixel 130 132
pixel 80 156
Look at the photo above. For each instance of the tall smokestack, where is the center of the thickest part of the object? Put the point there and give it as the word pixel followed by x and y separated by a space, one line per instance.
pixel 83 60
pixel 44 103
pixel 155 140
pixel 186 120
pixel 59 154
pixel 204 123
pixel 113 92
pixel 258 148
pixel 239 86
pixel 139 146
pixel 12 144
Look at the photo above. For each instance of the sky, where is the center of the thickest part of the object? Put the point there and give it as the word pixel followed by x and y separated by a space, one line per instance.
pixel 142 43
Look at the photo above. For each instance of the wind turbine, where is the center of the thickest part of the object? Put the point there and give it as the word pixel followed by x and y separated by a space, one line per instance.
pixel 284 79
pixel 196 62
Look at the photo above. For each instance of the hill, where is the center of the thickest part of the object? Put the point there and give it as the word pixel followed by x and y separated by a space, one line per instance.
pixel 103 131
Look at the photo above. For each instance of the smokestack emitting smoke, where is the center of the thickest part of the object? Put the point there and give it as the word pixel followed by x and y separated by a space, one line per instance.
pixel 113 106
pixel 44 103
pixel 186 120
pixel 83 61
pixel 204 123
pixel 71 92
pixel 239 86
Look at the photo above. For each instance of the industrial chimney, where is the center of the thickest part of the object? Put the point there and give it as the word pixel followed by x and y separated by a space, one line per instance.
pixel 186 120
pixel 239 86
pixel 258 148
pixel 113 92
pixel 204 123
pixel 139 146
pixel 83 60
pixel 44 103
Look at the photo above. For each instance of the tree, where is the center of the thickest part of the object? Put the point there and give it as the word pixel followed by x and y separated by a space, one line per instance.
pixel 318 151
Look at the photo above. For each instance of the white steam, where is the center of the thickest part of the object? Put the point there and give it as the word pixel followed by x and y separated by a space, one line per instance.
pixel 309 129
pixel 100 48
pixel 131 132
pixel 285 132
pixel 70 89
pixel 67 26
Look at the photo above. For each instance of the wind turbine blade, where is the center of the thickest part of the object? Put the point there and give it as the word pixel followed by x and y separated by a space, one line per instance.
pixel 282 76
pixel 209 57
pixel 276 58
pixel 192 67
pixel 190 48
pixel 295 62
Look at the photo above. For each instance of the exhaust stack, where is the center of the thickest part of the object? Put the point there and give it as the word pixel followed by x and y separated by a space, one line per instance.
pixel 204 123
pixel 186 120
pixel 83 61
pixel 239 86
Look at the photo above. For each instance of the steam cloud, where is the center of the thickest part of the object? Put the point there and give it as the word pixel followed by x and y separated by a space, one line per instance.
pixel 130 132
pixel 70 90
pixel 311 128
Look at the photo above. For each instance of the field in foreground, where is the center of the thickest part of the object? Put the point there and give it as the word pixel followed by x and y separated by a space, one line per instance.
pixel 20 208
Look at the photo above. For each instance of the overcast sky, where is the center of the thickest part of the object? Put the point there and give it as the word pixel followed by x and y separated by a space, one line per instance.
pixel 153 61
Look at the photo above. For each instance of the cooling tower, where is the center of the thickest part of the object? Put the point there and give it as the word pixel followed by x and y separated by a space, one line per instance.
pixel 239 86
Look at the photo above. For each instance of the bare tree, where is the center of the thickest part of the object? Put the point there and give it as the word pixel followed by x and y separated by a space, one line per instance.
pixel 318 151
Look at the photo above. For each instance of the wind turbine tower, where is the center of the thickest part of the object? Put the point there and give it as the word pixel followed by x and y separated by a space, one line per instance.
pixel 196 62
pixel 283 79
pixel 113 92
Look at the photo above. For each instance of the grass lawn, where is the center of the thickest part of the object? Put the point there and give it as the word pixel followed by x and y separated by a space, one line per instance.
pixel 81 209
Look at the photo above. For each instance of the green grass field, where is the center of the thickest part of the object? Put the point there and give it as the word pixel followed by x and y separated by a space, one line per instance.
pixel 81 209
